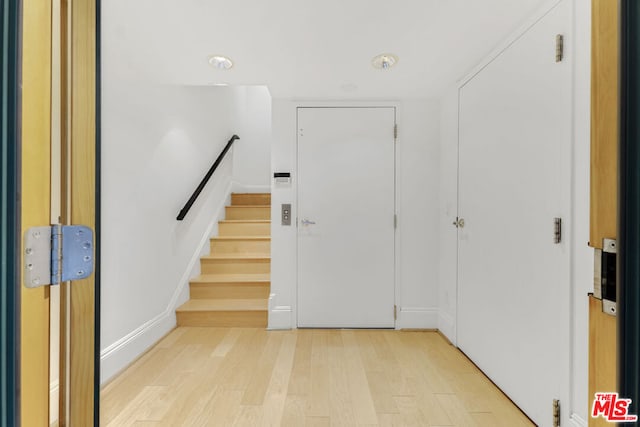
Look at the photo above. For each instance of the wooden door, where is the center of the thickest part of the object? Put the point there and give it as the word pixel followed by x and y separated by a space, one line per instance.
pixel 81 105
pixel 76 46
pixel 36 204
pixel 346 194
pixel 604 171
pixel 514 180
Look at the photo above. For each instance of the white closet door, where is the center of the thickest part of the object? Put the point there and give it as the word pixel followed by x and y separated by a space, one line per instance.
pixel 514 179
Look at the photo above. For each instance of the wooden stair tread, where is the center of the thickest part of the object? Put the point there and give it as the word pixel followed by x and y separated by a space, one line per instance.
pixel 232 278
pixel 234 256
pixel 235 238
pixel 248 206
pixel 258 199
pixel 199 305
pixel 246 221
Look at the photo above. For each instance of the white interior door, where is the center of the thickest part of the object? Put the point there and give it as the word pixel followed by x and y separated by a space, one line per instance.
pixel 346 206
pixel 514 179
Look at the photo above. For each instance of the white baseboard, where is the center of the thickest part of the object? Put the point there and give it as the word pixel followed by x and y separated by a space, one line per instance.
pixel 417 318
pixel 280 317
pixel 239 187
pixel 577 421
pixel 447 326
pixel 120 354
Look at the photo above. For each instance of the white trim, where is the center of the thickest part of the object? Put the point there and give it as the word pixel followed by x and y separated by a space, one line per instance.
pixel 397 199
pixel 417 318
pixel 540 13
pixel 54 396
pixel 577 421
pixel 447 326
pixel 239 187
pixel 279 316
pixel 122 352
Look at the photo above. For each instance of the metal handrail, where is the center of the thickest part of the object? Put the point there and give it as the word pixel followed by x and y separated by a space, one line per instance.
pixel 206 178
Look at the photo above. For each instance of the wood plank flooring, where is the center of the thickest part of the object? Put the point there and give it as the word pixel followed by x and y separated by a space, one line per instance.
pixel 198 376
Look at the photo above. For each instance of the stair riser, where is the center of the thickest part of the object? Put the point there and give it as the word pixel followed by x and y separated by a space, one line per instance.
pixel 244 229
pixel 238 319
pixel 233 212
pixel 241 247
pixel 209 266
pixel 251 199
pixel 230 290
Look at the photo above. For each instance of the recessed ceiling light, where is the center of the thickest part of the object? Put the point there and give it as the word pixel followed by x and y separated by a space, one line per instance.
pixel 220 62
pixel 384 61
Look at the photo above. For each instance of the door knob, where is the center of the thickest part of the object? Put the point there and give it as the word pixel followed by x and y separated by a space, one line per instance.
pixel 459 222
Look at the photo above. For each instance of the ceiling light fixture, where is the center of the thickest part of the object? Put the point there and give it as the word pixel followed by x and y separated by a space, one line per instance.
pixel 384 61
pixel 220 62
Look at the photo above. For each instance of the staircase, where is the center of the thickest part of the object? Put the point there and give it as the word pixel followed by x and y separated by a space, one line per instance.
pixel 233 288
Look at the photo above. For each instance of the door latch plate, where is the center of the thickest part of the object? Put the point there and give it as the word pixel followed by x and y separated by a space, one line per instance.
pixel 608 276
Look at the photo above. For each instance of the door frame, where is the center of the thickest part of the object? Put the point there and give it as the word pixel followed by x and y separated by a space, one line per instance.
pixel 628 325
pixel 83 309
pixel 397 106
pixel 85 208
pixel 10 70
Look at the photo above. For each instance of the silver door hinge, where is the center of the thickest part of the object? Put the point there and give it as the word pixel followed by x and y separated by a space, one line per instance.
pixel 56 254
pixel 556 413
pixel 559 48
pixel 395 221
pixel 395 131
pixel 557 230
pixel 395 312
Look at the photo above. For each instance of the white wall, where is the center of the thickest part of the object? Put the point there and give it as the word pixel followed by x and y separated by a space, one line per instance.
pixel 158 142
pixel 417 193
pixel 252 153
pixel 581 255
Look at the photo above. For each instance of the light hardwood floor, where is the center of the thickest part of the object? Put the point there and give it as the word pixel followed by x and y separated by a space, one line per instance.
pixel 252 377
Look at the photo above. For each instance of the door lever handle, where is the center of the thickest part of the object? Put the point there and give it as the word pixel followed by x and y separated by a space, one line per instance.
pixel 306 222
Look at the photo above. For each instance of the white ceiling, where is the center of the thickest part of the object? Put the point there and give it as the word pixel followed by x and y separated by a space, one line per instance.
pixel 311 49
